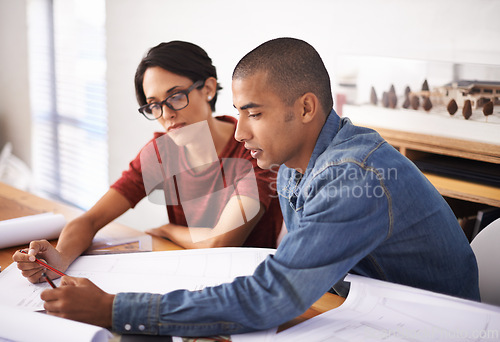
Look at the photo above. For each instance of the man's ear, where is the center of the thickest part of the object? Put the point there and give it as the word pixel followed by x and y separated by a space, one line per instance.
pixel 309 105
pixel 210 87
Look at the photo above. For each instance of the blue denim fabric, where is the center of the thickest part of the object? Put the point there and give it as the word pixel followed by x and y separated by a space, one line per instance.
pixel 373 213
pixel 360 207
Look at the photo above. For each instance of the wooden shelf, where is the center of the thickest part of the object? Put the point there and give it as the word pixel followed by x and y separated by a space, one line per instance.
pixel 414 145
pixel 467 191
pixel 441 145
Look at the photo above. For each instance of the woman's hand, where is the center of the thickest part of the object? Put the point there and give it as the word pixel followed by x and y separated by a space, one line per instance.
pixel 230 231
pixel 161 232
pixel 44 251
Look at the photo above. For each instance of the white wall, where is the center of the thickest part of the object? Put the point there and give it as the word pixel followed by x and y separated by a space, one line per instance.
pixel 15 120
pixel 465 31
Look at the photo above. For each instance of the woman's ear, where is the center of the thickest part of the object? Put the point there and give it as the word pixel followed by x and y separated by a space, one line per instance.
pixel 210 88
pixel 309 104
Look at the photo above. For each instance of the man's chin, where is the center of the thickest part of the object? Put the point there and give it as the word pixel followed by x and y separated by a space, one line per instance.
pixel 263 164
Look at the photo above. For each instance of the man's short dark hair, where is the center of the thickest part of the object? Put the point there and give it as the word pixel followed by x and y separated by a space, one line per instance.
pixel 293 68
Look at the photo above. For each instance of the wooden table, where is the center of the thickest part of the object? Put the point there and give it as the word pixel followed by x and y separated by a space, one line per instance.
pixel 16 203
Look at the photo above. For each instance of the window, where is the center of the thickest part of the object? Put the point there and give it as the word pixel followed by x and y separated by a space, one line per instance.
pixel 68 99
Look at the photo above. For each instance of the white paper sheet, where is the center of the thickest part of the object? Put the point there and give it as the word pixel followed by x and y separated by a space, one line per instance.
pixel 376 310
pixel 22 230
pixel 19 325
pixel 257 336
pixel 156 272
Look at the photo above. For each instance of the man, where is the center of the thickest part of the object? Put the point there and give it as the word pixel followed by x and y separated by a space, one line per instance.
pixel 350 201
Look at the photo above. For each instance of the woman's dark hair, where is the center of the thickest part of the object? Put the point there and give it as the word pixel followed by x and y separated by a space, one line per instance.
pixel 181 58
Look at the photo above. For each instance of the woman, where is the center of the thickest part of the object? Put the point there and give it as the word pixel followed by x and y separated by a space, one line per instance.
pixel 198 167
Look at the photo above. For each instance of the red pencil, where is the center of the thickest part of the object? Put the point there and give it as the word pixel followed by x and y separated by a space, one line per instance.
pixel 44 264
pixel 49 280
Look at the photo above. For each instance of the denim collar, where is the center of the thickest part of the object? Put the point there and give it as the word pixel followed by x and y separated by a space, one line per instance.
pixel 328 132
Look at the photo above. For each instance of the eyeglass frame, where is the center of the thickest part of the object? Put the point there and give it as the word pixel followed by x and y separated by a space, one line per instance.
pixel 195 85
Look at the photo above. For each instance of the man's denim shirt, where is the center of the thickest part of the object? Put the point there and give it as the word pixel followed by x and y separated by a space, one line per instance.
pixel 360 207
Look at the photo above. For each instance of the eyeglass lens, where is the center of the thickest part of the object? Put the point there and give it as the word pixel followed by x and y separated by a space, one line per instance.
pixel 175 101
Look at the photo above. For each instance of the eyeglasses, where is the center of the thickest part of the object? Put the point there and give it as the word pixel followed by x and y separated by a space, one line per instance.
pixel 176 101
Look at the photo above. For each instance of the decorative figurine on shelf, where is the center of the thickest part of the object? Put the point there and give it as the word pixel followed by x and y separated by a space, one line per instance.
pixel 373 97
pixel 488 109
pixel 426 93
pixel 392 97
pixel 452 107
pixel 414 102
pixel 467 110
pixel 427 104
pixel 467 94
pixel 484 94
pixel 407 102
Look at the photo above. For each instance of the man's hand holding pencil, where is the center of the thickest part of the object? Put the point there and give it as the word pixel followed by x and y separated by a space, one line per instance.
pixel 81 300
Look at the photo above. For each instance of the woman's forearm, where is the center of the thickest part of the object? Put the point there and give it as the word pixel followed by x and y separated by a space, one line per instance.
pixel 78 234
pixel 227 232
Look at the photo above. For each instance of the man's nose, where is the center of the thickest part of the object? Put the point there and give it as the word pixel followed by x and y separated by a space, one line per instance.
pixel 241 133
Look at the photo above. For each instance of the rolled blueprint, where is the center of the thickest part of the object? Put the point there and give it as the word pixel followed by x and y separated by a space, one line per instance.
pixel 22 230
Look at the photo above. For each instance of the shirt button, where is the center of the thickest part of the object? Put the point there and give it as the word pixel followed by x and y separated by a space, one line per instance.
pixel 142 327
pixel 128 327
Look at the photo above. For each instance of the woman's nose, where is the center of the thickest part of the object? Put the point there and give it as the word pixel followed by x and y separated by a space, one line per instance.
pixel 168 113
